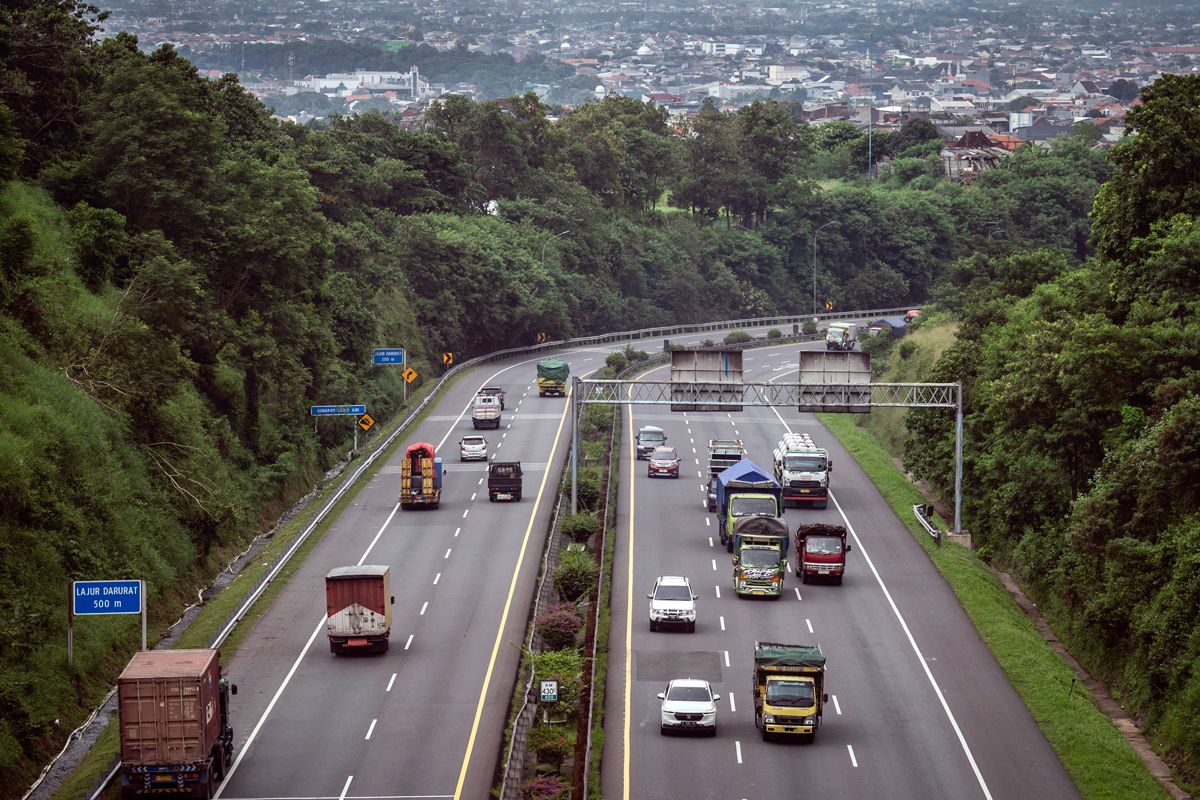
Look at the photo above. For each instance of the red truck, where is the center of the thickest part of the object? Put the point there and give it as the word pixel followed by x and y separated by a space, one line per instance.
pixel 358 608
pixel 176 739
pixel 821 552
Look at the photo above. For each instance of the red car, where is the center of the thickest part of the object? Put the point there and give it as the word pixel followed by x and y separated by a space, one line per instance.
pixel 663 461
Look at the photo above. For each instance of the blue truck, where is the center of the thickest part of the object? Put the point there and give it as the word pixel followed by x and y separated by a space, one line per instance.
pixel 745 490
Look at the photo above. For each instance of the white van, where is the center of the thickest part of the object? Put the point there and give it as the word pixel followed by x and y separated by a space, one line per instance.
pixel 485 412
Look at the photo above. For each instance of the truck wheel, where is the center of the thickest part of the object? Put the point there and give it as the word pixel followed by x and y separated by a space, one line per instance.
pixel 335 648
pixel 837 581
pixel 491 497
pixel 807 738
pixel 382 647
pixel 517 497
pixel 803 577
pixel 729 545
pixel 766 736
pixel 822 504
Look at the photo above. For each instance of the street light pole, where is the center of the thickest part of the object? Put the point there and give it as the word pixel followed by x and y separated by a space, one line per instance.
pixel 548 241
pixel 814 264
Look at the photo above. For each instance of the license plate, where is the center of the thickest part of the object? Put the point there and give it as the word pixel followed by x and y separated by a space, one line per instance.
pixel 356 642
pixel 805 491
pixel 689 724
pixel 504 497
pixel 164 778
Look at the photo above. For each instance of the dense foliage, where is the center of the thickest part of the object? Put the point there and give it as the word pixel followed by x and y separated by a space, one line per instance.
pixel 181 276
pixel 1083 419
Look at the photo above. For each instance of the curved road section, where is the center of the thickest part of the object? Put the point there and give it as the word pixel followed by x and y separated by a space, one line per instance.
pixel 918 706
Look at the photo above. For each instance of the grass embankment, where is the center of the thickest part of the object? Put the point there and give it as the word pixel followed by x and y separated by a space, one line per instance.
pixel 1097 757
pixel 217 611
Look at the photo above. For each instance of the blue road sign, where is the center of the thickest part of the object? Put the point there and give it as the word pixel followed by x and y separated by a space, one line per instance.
pixel 388 355
pixel 106 597
pixel 337 411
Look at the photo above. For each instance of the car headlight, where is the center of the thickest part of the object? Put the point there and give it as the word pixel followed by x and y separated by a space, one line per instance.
pixel 769 720
pixel 810 720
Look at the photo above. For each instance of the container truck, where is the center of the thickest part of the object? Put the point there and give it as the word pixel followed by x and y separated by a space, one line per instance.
pixel 420 477
pixel 722 454
pixel 173 707
pixel 552 377
pixel 504 481
pixel 759 556
pixel 745 490
pixel 821 552
pixel 802 469
pixel 358 608
pixel 789 689
pixel 485 411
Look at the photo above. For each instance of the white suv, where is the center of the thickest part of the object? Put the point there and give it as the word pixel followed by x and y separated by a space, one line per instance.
pixel 672 603
pixel 689 705
pixel 472 448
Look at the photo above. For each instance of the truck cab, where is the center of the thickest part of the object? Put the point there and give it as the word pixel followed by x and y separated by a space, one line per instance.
pixel 759 553
pixel 789 689
pixel 802 470
pixel 821 552
pixel 841 336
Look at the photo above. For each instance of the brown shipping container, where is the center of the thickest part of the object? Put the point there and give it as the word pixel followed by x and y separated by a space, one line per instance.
pixel 367 585
pixel 169 705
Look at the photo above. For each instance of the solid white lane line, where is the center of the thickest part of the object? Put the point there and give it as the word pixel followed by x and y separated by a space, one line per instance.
pixel 808 622
pixel 836 707
pixel 390 682
pixel 718 588
pixel 424 606
pixel 346 788
pixel 737 746
pixel 937 689
pixel 370 730
pixel 727 658
pixel 732 704
pixel 437 578
pixel 797 591
pixel 722 623
pixel 409 642
pixel 853 760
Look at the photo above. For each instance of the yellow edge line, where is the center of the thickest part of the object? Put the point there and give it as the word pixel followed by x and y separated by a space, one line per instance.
pixel 512 588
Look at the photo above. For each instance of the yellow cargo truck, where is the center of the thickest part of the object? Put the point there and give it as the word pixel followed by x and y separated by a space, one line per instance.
pixel 789 689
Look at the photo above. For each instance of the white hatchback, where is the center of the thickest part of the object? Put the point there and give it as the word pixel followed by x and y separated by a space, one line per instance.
pixel 689 705
pixel 472 448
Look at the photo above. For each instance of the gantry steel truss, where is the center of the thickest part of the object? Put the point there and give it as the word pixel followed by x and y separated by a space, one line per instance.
pixel 805 397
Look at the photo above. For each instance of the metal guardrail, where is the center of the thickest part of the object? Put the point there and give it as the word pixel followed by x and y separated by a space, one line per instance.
pixel 382 445
pixel 921 512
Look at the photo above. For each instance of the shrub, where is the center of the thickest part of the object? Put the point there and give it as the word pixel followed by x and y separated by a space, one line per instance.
pixel 616 361
pixel 738 337
pixel 580 527
pixel 774 333
pixel 551 743
pixel 708 343
pixel 635 356
pixel 567 667
pixel 809 327
pixel 545 787
pixel 558 625
pixel 907 348
pixel 576 575
pixel 588 489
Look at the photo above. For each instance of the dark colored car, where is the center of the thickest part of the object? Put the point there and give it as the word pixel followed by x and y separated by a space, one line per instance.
pixel 663 461
pixel 649 438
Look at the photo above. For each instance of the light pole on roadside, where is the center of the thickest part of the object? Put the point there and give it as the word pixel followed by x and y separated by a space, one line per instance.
pixel 814 264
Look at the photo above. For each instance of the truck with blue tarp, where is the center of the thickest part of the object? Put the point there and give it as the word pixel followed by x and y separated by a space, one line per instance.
pixel 745 490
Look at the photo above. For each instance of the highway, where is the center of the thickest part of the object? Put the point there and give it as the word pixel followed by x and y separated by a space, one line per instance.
pixel 918 706
pixel 426 719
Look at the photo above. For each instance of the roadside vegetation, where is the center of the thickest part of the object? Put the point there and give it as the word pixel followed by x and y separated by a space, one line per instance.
pixel 164 331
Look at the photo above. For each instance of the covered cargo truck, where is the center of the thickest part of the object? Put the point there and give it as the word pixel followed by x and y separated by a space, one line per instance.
pixel 759 553
pixel 789 689
pixel 358 608
pixel 420 477
pixel 504 481
pixel 176 739
pixel 821 552
pixel 552 377
pixel 722 454
pixel 745 490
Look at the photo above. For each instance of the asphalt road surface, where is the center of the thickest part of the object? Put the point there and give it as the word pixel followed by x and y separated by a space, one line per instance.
pixel 918 706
